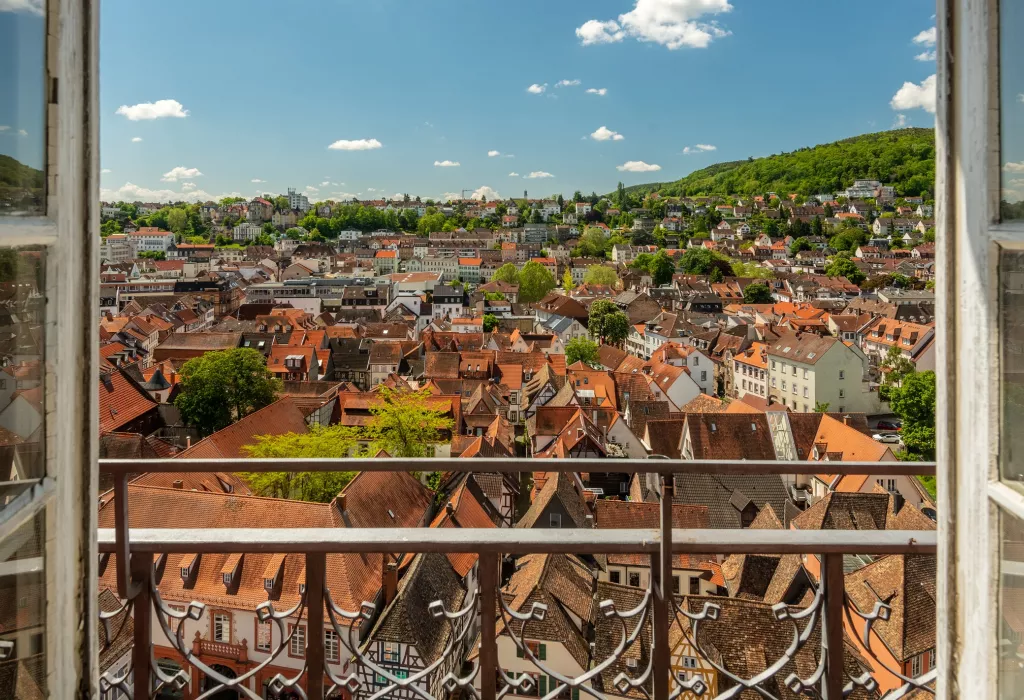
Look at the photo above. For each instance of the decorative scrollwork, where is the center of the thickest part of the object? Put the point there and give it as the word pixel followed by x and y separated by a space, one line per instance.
pixel 622 682
pixel 108 681
pixel 882 611
pixel 783 613
pixel 175 633
pixel 458 620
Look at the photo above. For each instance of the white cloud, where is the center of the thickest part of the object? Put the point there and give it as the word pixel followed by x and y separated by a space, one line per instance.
pixel 153 110
pixel 446 163
pixel 355 145
pixel 22 132
pixel 538 174
pixel 34 7
pixel 900 121
pixel 493 154
pixel 4 127
pixel 913 96
pixel 671 23
pixel 925 56
pixel 188 186
pixel 1020 97
pixel 637 166
pixel 537 88
pixel 927 38
pixel 256 179
pixel 1014 167
pixel 129 192
pixel 312 188
pixel 137 139
pixel 105 171
pixel 603 133
pixel 597 91
pixel 596 32
pixel 370 189
pixel 513 174
pixel 181 173
pixel 699 148
pixel 567 83
pixel 485 191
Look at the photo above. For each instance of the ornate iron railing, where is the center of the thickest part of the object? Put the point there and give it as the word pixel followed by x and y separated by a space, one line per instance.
pixel 817 627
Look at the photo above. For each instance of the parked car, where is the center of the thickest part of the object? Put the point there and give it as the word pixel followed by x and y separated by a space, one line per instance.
pixel 889 425
pixel 891 438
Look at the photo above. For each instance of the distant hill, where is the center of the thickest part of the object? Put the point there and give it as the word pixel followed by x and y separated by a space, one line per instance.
pixel 904 158
pixel 15 174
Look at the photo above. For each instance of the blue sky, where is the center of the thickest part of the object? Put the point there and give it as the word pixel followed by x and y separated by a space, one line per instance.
pixel 263 89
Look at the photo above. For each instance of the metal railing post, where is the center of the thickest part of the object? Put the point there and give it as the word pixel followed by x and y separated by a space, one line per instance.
pixel 488 580
pixel 316 574
pixel 125 589
pixel 661 572
pixel 141 570
pixel 832 625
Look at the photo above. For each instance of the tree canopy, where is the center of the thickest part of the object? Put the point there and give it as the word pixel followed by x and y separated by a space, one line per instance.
pixel 844 267
pixel 221 387
pixel 757 293
pixel 700 261
pixel 506 273
pixel 914 402
pixel 406 424
pixel 600 274
pixel 607 322
pixel 535 281
pixel 582 350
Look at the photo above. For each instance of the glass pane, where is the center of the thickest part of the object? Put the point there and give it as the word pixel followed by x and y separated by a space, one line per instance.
pixel 1011 318
pixel 22 369
pixel 22 107
pixel 23 613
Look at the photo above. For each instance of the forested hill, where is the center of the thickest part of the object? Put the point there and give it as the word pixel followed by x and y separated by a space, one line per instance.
pixel 14 174
pixel 904 158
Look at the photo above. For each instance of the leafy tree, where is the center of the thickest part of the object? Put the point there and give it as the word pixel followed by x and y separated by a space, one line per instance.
pixel 153 255
pixel 716 275
pixel 607 322
pixel 535 281
pixel 820 407
pixel 662 268
pixel 336 441
pixel 895 367
pixel 582 350
pixel 221 387
pixel 914 402
pixel 700 261
pixel 799 244
pixel 176 220
pixel 494 296
pixel 109 227
pixel 844 267
pixel 506 273
pixel 929 236
pixel 567 284
pixel 616 328
pixel 490 321
pixel 295 234
pixel 848 239
pixel 406 424
pixel 594 243
pixel 757 293
pixel 599 274
pixel 642 262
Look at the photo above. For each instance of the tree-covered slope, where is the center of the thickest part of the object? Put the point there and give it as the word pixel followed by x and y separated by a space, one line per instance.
pixel 14 174
pixel 904 158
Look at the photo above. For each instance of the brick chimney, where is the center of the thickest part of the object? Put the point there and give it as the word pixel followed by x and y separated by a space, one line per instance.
pixel 178 484
pixel 390 581
pixel 342 502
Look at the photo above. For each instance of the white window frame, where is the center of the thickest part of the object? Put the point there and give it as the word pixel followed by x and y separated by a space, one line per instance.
pixel 221 627
pixel 70 229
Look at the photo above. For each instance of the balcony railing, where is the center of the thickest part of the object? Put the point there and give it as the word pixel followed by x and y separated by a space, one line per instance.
pixel 817 625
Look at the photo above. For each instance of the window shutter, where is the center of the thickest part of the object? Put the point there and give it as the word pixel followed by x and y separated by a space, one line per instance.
pixel 542 683
pixel 575 694
pixel 543 652
pixel 519 652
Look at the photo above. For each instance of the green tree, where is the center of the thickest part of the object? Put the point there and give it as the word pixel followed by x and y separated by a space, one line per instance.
pixel 716 275
pixel 406 424
pixel 642 262
pixel 700 261
pixel 221 387
pixel 757 293
pixel 153 255
pixel 844 267
pixel 607 322
pixel 567 284
pixel 176 220
pixel 535 281
pixel 662 268
pixel 506 273
pixel 109 227
pixel 616 328
pixel 820 407
pixel 895 367
pixel 489 322
pixel 594 242
pixel 582 350
pixel 914 402
pixel 295 234
pixel 599 274
pixel 336 441
pixel 799 244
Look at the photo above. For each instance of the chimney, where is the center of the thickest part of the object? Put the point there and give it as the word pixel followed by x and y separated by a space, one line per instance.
pixel 390 581
pixel 342 502
pixel 178 484
pixel 846 420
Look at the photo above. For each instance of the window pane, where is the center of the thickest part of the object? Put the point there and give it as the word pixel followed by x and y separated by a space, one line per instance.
pixel 23 613
pixel 1011 19
pixel 22 108
pixel 1011 319
pixel 1011 607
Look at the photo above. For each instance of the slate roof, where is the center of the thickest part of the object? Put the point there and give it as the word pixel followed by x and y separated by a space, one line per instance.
pixel 565 487
pixel 407 619
pixel 719 491
pixel 733 436
pixel 664 436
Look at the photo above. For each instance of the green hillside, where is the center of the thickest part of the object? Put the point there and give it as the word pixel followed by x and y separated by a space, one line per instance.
pixel 904 158
pixel 14 174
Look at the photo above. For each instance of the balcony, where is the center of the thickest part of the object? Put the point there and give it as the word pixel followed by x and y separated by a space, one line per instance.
pixel 823 645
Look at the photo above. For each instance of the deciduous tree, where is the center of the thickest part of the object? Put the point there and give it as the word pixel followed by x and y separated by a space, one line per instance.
pixel 599 274
pixel 406 424
pixel 757 293
pixel 221 387
pixel 582 350
pixel 535 281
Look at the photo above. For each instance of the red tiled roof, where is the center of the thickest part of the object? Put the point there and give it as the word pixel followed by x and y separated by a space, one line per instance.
pixel 121 401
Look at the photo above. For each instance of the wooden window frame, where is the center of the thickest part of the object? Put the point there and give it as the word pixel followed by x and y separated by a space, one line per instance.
pixel 256 636
pixel 292 639
pixel 213 613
